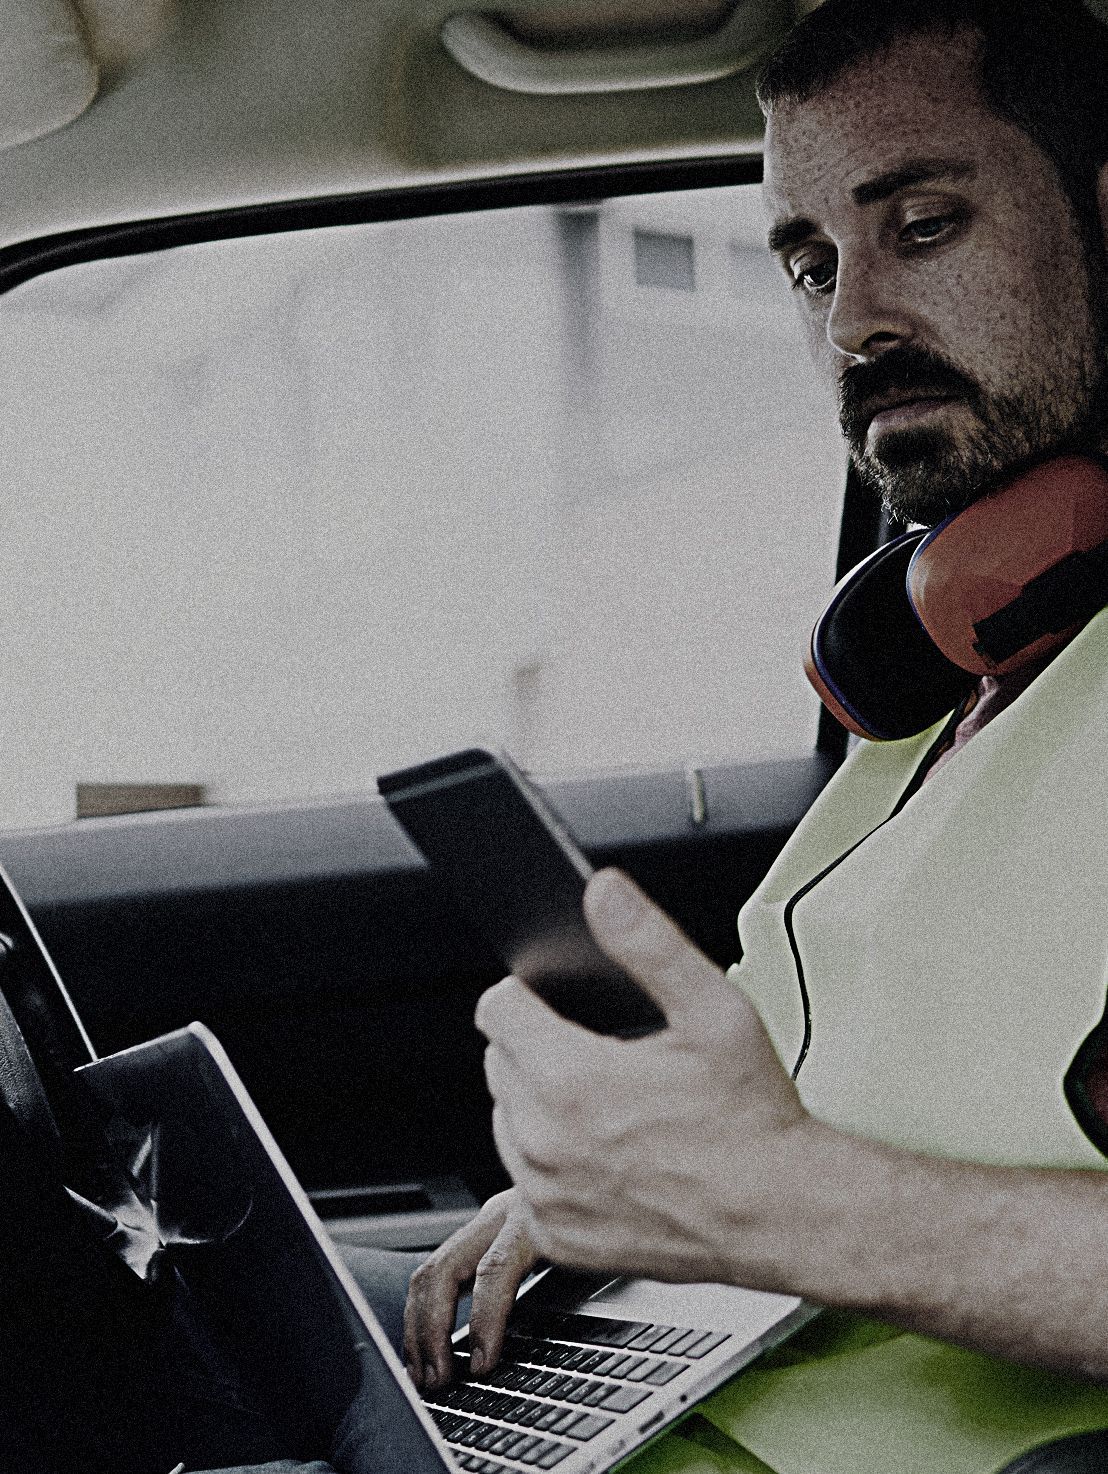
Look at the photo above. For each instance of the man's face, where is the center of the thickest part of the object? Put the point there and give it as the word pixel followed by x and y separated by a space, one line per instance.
pixel 941 275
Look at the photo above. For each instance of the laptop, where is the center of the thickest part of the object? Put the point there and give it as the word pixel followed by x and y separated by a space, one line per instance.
pixel 592 1370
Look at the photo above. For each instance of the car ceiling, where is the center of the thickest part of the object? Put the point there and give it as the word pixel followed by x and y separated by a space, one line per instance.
pixel 122 110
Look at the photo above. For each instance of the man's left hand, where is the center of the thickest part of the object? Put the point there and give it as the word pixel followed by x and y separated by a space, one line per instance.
pixel 660 1156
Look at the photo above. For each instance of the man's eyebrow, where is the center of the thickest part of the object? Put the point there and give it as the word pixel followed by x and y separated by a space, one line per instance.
pixel 787 233
pixel 908 174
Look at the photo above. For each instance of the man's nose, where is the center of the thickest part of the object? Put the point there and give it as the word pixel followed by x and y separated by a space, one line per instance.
pixel 867 316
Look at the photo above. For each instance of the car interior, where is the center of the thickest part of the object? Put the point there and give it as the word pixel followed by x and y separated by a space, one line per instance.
pixel 383 379
pixel 378 384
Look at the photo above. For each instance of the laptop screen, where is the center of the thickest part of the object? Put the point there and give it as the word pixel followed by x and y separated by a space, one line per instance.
pixel 218 1207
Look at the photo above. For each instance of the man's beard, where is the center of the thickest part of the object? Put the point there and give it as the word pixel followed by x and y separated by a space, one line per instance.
pixel 928 473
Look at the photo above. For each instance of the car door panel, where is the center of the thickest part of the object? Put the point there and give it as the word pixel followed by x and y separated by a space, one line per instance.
pixel 316 945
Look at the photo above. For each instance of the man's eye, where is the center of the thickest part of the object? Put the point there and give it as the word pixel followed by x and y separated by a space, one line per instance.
pixel 814 279
pixel 927 230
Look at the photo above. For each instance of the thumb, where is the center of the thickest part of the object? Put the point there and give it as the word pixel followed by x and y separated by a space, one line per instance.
pixel 638 936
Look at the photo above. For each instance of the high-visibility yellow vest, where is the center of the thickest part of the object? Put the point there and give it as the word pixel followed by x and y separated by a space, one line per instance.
pixel 948 954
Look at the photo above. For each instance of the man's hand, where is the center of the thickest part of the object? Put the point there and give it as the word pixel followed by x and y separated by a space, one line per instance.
pixel 494 1252
pixel 655 1156
pixel 687 1155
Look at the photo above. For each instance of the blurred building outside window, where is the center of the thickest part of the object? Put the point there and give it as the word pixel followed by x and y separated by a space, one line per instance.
pixel 286 512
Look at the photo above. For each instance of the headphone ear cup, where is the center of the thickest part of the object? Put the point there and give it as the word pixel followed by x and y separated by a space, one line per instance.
pixel 872 663
pixel 1012 577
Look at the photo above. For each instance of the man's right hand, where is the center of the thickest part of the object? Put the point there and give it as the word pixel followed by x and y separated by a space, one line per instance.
pixel 494 1253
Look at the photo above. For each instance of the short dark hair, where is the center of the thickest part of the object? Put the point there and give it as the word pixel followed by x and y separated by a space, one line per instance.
pixel 1043 65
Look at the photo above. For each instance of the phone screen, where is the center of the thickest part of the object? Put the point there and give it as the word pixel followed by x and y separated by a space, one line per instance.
pixel 519 876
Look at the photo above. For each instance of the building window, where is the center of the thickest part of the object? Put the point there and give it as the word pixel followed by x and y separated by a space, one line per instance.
pixel 664 261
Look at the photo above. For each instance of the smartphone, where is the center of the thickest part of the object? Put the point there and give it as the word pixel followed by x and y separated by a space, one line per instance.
pixel 519 877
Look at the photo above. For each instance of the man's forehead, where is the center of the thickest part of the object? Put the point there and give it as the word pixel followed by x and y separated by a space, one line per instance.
pixel 919 99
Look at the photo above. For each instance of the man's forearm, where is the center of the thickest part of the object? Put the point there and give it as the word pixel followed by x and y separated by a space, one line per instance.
pixel 1011 1261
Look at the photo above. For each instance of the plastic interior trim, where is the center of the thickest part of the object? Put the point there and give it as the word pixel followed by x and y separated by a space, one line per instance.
pixel 485 49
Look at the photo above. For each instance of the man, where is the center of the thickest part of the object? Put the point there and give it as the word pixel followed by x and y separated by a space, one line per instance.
pixel 937 185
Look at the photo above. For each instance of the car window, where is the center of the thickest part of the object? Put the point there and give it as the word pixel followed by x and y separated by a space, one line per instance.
pixel 283 512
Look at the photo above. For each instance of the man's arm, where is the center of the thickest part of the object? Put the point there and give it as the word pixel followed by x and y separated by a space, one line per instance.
pixel 688 1156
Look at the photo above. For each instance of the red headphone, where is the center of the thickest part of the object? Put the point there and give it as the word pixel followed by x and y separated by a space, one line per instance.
pixel 1004 582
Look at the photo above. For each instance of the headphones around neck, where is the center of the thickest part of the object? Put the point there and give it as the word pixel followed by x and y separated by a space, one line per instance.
pixel 1007 581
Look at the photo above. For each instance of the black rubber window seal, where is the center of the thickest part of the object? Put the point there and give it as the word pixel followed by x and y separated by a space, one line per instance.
pixel 23 260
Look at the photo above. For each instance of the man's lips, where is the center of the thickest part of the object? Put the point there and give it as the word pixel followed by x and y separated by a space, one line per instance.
pixel 889 414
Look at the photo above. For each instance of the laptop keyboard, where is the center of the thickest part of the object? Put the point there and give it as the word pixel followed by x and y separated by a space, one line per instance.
pixel 561 1381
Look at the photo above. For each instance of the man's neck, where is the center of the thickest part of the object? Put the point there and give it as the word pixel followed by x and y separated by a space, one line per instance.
pixel 990 696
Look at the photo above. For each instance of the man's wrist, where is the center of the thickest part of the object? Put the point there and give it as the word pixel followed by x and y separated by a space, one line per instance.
pixel 807 1226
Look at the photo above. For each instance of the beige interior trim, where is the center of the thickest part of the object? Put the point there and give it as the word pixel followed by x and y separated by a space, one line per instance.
pixel 615 22
pixel 486 49
pixel 55 53
pixel 235 102
pixel 48 75
pixel 121 31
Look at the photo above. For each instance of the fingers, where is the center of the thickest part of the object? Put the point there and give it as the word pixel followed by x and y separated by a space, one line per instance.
pixel 434 1292
pixel 522 1024
pixel 641 939
pixel 646 943
pixel 502 1270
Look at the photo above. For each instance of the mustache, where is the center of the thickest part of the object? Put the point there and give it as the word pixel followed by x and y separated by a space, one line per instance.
pixel 897 371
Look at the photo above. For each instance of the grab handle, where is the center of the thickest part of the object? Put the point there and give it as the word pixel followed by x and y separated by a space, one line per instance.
pixel 486 49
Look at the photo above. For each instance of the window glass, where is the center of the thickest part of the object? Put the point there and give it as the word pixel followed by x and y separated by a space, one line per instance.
pixel 284 512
